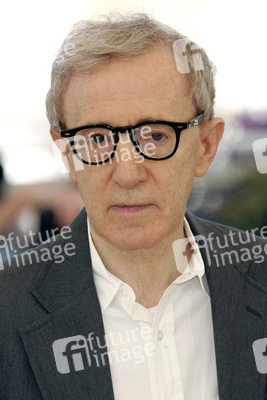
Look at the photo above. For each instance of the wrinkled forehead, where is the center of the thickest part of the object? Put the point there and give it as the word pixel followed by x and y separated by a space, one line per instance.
pixel 150 78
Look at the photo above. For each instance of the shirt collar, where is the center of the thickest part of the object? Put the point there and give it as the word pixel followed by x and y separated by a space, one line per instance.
pixel 109 287
pixel 107 284
pixel 195 266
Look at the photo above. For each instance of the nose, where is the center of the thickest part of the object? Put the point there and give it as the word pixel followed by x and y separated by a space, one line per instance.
pixel 129 169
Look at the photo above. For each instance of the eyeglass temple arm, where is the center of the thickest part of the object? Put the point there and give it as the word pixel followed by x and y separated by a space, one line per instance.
pixel 195 121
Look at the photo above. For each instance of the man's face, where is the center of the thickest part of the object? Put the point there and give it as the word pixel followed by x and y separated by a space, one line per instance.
pixel 133 204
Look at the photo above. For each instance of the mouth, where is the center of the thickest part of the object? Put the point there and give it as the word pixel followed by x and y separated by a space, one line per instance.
pixel 130 208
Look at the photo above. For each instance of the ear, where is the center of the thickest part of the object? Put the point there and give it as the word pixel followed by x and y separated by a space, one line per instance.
pixel 65 149
pixel 210 136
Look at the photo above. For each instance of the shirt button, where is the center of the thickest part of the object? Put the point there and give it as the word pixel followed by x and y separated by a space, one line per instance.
pixel 160 335
pixel 124 292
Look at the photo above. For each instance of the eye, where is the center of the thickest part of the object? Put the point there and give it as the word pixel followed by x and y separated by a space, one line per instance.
pixel 158 137
pixel 97 138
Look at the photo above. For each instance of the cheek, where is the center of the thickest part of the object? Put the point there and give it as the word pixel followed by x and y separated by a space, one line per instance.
pixel 182 172
pixel 87 185
pixel 188 153
pixel 93 183
pixel 178 188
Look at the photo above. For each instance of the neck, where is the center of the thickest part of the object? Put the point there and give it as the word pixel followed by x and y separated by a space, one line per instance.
pixel 149 272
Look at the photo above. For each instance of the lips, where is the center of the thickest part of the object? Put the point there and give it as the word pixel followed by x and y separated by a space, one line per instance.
pixel 130 208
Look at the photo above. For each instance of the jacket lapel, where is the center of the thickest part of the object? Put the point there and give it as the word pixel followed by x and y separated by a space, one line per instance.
pixel 239 318
pixel 64 364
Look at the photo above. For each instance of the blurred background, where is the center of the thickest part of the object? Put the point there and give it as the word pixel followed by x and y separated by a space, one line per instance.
pixel 234 35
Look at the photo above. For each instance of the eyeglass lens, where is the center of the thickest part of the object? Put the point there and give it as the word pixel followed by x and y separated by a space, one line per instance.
pixel 97 144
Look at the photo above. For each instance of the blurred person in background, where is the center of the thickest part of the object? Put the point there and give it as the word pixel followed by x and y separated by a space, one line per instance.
pixel 44 207
pixel 62 200
pixel 140 310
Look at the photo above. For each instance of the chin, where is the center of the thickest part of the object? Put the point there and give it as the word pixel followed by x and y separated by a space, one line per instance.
pixel 135 240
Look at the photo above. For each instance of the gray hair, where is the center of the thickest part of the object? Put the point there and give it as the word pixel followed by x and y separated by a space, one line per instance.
pixel 91 44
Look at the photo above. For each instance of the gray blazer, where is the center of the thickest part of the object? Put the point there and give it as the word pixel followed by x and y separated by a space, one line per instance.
pixel 48 301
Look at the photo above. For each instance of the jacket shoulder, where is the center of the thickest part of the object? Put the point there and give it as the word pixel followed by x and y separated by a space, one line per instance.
pixel 205 227
pixel 228 247
pixel 19 273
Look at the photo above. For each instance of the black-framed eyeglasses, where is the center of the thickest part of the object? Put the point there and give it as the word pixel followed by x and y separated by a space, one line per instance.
pixel 154 140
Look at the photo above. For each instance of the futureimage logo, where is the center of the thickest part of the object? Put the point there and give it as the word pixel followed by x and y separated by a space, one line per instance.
pixel 22 250
pixel 180 49
pixel 71 354
pixel 260 354
pixel 77 353
pixel 84 151
pixel 232 248
pixel 260 154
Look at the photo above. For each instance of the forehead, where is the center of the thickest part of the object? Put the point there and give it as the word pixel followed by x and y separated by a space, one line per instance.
pixel 127 89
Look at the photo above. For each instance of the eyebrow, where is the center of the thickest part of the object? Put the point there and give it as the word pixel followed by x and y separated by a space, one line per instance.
pixel 147 119
pixel 140 121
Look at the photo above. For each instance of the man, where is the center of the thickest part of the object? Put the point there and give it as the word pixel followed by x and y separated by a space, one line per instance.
pixel 139 312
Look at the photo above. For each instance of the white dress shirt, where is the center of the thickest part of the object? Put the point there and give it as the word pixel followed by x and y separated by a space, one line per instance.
pixel 163 353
